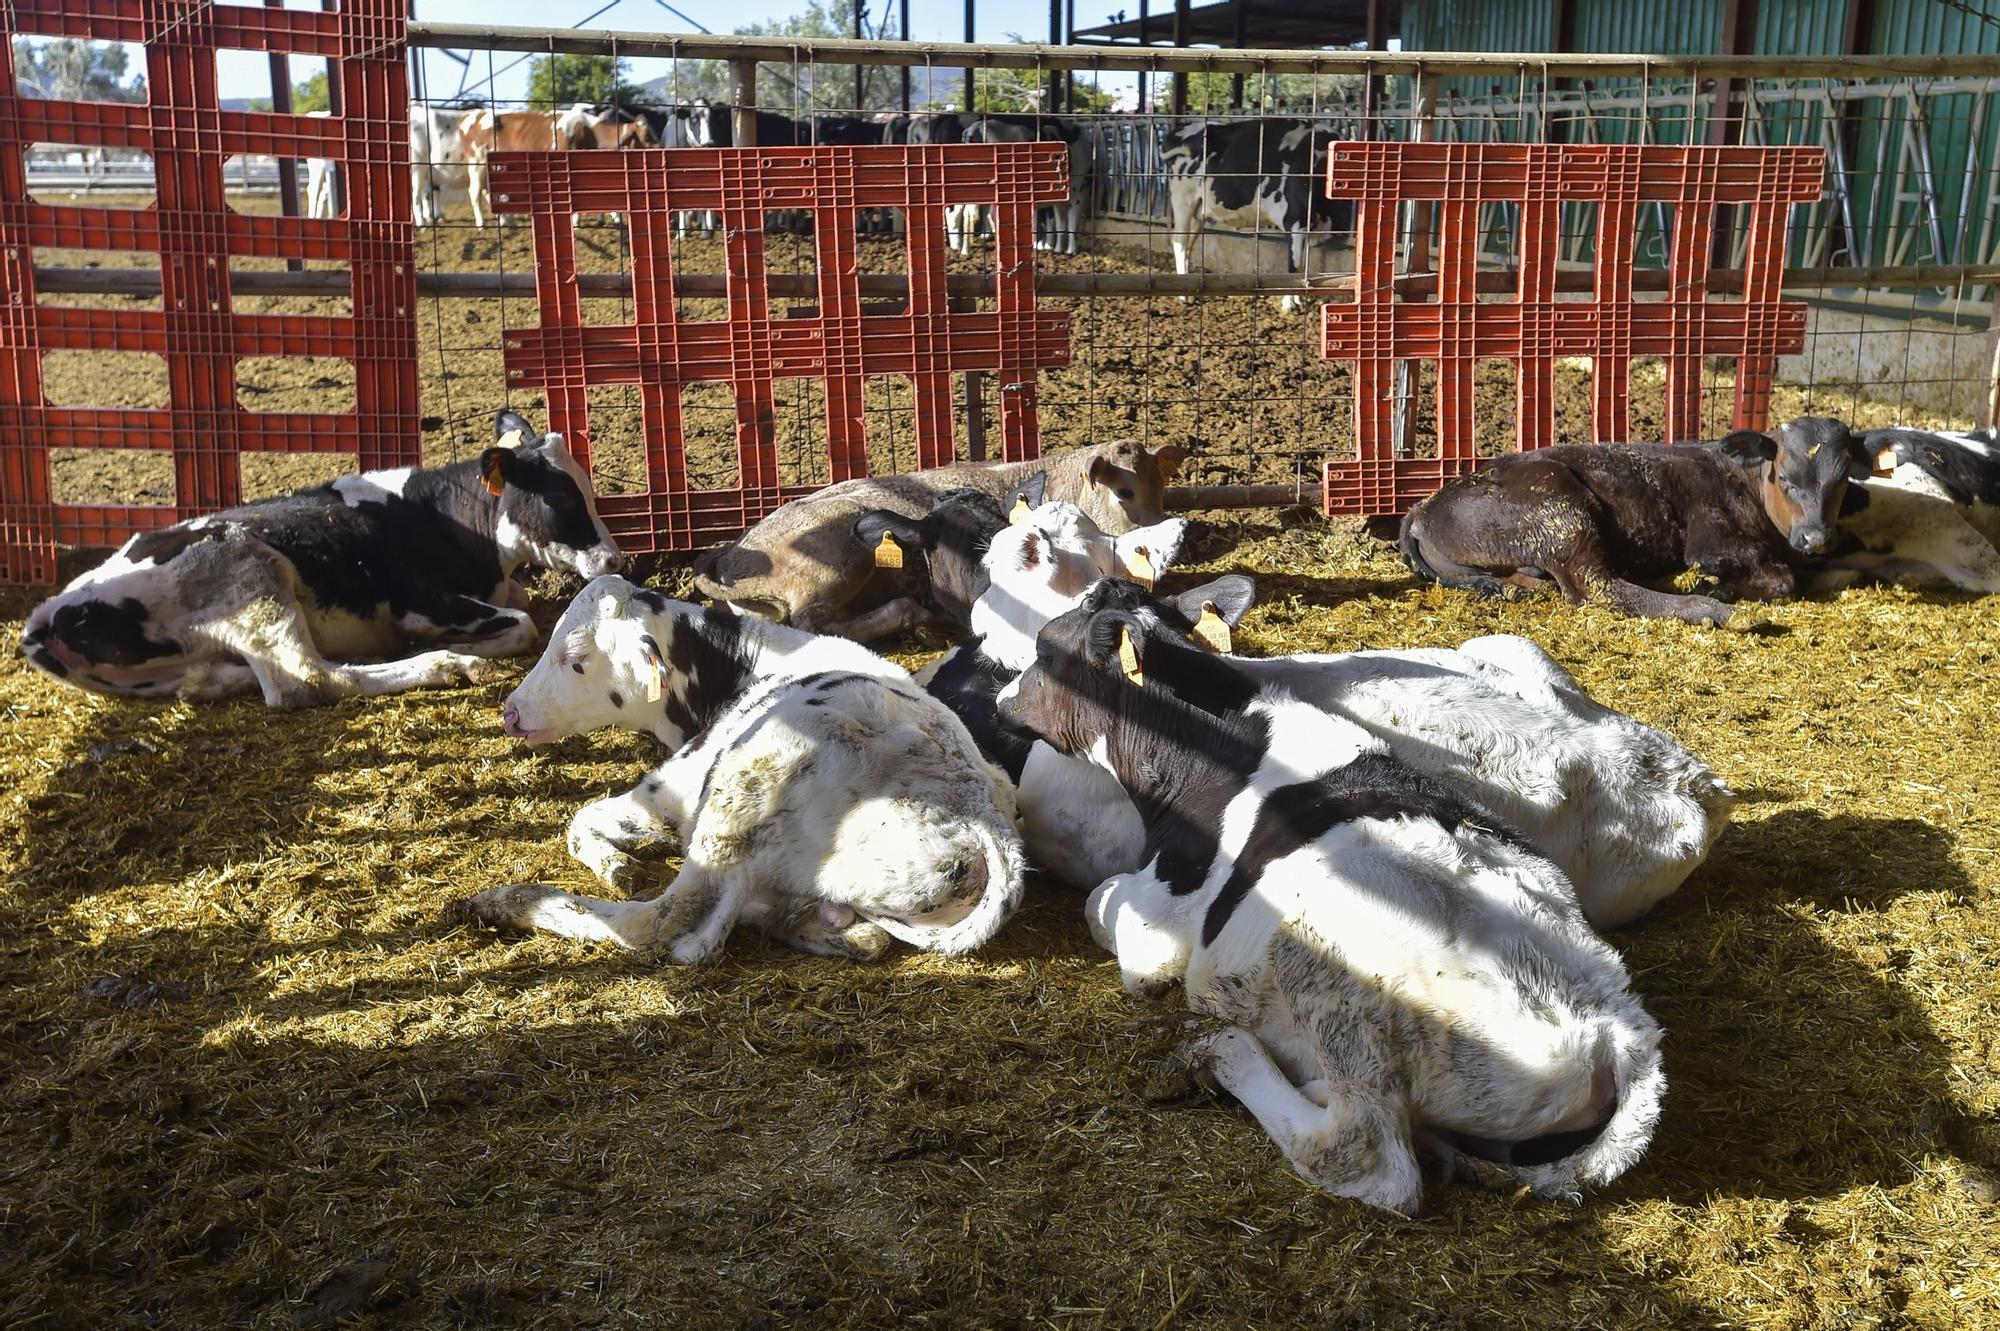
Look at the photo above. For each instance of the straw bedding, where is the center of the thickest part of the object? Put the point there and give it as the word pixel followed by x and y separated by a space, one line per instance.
pixel 247 1078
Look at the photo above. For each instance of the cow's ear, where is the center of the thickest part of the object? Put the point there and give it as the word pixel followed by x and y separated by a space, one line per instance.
pixel 1169 457
pixel 496 465
pixel 1118 641
pixel 1026 497
pixel 508 421
pixel 1229 597
pixel 1160 542
pixel 888 535
pixel 1750 447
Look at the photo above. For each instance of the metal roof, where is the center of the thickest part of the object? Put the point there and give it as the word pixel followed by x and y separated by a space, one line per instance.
pixel 1266 23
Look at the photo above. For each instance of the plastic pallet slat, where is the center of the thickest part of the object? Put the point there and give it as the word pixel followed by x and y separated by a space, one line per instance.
pixel 754 346
pixel 1458 329
pixel 194 234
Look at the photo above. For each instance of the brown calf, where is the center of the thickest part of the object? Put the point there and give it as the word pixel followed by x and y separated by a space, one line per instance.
pixel 805 566
pixel 1601 519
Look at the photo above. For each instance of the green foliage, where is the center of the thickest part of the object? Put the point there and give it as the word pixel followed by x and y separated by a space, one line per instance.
pixel 1299 94
pixel 802 89
pixel 68 69
pixel 561 80
pixel 311 95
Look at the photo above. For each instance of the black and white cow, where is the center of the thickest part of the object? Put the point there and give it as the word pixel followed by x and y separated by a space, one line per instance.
pixel 1929 514
pixel 1057 226
pixel 815 789
pixel 279 596
pixel 1398 971
pixel 1250 175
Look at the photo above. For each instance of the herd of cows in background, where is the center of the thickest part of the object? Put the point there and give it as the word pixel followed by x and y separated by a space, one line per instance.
pixel 1384 874
pixel 1254 174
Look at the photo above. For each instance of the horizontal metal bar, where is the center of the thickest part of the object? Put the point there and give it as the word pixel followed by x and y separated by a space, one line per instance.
pixel 1025 55
pixel 465 286
pixel 1181 497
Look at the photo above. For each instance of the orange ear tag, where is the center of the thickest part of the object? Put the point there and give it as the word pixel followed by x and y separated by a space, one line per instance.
pixel 496 480
pixel 888 553
pixel 1212 630
pixel 1128 657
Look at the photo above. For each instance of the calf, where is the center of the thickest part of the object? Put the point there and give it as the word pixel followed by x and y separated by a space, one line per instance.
pixel 437 159
pixel 1250 174
pixel 267 597
pixel 1930 512
pixel 1398 971
pixel 482 132
pixel 815 789
pixel 804 565
pixel 1622 809
pixel 1600 519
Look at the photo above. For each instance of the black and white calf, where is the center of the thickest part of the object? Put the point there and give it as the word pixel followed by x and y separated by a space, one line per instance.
pixel 816 790
pixel 1929 514
pixel 1398 971
pixel 1249 175
pixel 278 596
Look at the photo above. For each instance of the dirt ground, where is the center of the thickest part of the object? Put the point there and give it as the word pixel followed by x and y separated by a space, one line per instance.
pixel 248 1079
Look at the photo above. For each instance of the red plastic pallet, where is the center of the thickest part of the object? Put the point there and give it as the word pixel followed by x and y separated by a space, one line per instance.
pixel 1457 328
pixel 193 231
pixel 841 343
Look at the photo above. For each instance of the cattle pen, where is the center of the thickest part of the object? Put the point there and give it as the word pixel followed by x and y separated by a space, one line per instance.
pixel 253 1078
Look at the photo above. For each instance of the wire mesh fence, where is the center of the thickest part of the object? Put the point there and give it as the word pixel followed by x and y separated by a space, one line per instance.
pixel 1199 245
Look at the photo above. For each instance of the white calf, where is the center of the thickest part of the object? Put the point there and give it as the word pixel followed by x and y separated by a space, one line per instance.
pixel 1397 973
pixel 817 791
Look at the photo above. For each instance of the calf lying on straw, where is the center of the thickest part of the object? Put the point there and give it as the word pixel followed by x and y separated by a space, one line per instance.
pixel 1398 971
pixel 816 790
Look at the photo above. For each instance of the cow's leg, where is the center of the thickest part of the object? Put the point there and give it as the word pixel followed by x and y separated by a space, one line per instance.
pixel 268 631
pixel 827 929
pixel 602 832
pixel 475 188
pixel 1355 1143
pixel 471 625
pixel 1184 197
pixel 690 918
pixel 1125 914
pixel 884 621
pixel 1293 304
pixel 212 680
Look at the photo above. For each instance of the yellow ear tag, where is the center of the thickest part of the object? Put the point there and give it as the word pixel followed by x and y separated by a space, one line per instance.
pixel 653 685
pixel 888 553
pixel 1128 657
pixel 1885 462
pixel 1020 510
pixel 1140 568
pixel 655 670
pixel 1212 630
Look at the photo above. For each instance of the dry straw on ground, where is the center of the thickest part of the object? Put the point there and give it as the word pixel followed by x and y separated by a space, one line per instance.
pixel 301 1096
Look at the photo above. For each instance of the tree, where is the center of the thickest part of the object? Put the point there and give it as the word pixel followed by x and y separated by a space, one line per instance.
pixel 559 81
pixel 311 95
pixel 68 69
pixel 802 90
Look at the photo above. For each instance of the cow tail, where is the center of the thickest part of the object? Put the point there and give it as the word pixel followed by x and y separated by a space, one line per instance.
pixel 1004 867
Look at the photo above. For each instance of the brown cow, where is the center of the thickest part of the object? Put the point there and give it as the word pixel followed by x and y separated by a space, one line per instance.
pixel 1600 519
pixel 482 132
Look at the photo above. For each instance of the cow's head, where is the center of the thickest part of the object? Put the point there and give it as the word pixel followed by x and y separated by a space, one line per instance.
pixel 1125 484
pixel 602 667
pixel 1090 659
pixel 1802 475
pixel 637 132
pixel 548 510
pixel 944 547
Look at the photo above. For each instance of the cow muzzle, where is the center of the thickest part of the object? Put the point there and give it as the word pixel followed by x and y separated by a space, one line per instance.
pixel 1811 540
pixel 510 723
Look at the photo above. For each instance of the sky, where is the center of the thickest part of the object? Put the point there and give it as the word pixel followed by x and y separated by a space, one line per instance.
pixel 246 74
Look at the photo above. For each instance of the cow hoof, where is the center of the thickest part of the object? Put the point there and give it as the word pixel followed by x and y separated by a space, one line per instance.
pixel 865 942
pixel 480 670
pixel 621 873
pixel 495 908
pixel 1202 1053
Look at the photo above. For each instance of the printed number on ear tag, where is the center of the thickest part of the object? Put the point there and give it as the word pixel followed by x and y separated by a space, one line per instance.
pixel 888 552
pixel 1128 657
pixel 1140 568
pixel 1212 630
pixel 1020 511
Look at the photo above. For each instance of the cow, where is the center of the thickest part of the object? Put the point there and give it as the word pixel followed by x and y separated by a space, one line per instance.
pixel 277 596
pixel 437 159
pixel 1252 174
pixel 1394 969
pixel 322 175
pixel 1057 227
pixel 815 790
pixel 1928 514
pixel 483 132
pixel 803 565
pixel 1600 519
pixel 1624 810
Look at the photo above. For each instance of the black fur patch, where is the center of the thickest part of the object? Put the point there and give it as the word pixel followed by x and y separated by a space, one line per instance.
pixel 617 698
pixel 1375 785
pixel 710 668
pixel 968 682
pixel 109 633
pixel 1969 477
